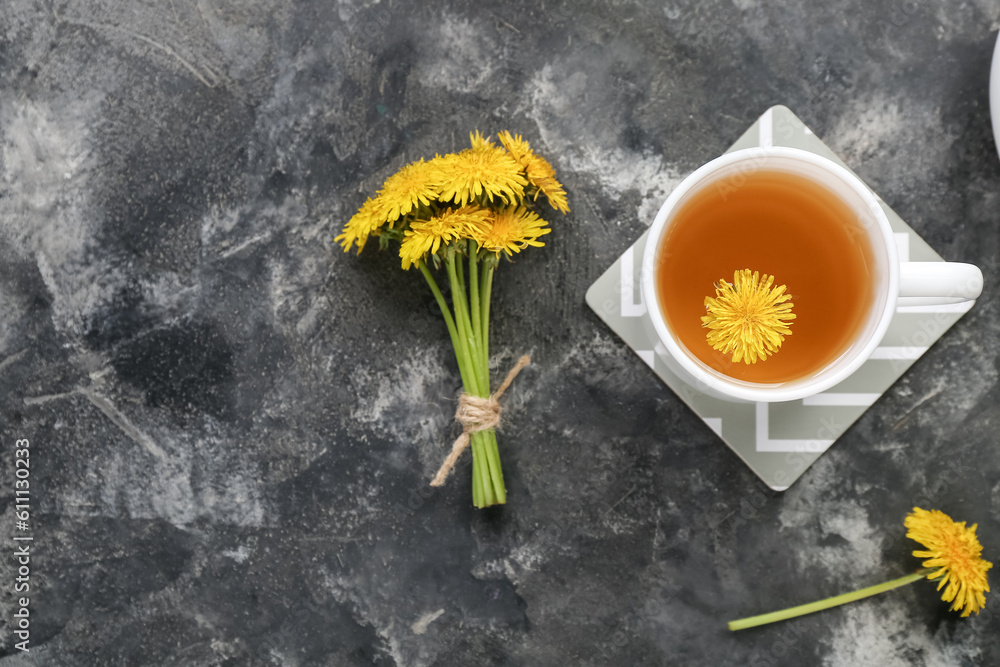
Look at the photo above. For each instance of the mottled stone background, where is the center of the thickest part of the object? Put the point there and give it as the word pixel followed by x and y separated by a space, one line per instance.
pixel 232 422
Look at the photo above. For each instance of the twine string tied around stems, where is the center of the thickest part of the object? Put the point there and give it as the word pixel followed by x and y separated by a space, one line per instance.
pixel 475 414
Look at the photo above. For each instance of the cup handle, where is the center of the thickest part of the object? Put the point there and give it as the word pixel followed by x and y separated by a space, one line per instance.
pixel 935 283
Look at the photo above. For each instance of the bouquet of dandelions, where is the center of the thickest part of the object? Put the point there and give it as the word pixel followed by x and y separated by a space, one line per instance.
pixel 455 211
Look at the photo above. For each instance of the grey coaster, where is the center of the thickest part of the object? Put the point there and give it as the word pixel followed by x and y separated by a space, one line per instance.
pixel 779 441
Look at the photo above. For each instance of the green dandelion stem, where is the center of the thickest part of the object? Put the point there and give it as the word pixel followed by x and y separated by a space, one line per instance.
pixel 471 347
pixel 486 285
pixel 475 314
pixel 802 610
pixel 449 321
pixel 490 446
pixel 463 347
pixel 493 458
pixel 477 484
pixel 481 468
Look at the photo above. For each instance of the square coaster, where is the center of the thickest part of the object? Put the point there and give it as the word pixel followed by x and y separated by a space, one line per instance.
pixel 779 441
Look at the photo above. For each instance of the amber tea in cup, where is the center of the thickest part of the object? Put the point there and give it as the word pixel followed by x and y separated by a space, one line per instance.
pixel 816 228
pixel 781 224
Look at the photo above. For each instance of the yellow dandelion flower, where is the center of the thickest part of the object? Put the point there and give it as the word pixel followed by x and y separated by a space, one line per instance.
pixel 484 169
pixel 748 318
pixel 426 236
pixel 415 184
pixel 479 142
pixel 540 173
pixel 519 149
pixel 955 553
pixel 369 218
pixel 511 230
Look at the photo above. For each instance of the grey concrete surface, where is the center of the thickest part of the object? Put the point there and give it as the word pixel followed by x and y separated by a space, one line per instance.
pixel 232 423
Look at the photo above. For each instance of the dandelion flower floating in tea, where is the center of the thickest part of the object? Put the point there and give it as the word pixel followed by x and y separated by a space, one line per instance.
pixel 748 318
pixel 953 554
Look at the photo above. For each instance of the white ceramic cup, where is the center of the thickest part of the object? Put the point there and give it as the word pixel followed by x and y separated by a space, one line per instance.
pixel 894 282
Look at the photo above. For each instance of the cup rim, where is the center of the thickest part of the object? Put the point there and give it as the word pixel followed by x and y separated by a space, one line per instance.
pixel 793 389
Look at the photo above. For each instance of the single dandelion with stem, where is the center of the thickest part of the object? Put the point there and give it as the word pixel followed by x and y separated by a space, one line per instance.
pixel 953 557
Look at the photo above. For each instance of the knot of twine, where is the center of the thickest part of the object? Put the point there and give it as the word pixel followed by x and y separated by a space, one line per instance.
pixel 476 414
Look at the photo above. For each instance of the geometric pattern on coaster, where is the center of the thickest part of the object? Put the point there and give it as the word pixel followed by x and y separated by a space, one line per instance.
pixel 779 441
